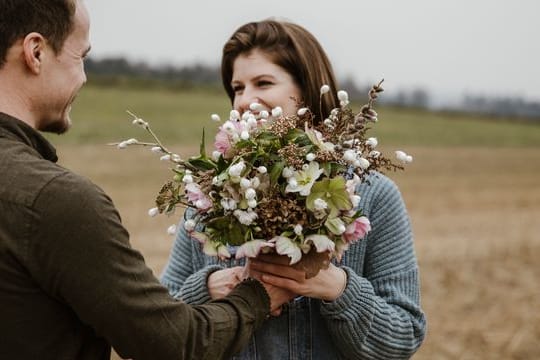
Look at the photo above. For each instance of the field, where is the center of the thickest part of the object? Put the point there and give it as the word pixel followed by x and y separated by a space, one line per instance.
pixel 473 193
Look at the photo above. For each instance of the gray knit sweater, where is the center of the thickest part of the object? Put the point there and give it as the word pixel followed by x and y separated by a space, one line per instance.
pixel 378 316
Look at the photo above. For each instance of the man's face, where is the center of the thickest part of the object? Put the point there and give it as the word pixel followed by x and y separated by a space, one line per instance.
pixel 63 75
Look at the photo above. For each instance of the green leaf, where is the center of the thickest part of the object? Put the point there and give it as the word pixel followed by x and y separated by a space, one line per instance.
pixel 276 171
pixel 202 163
pixel 202 148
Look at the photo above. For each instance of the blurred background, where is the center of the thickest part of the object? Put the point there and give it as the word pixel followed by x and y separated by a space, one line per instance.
pixel 462 95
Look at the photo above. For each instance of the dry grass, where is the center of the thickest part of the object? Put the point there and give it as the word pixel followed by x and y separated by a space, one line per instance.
pixel 475 213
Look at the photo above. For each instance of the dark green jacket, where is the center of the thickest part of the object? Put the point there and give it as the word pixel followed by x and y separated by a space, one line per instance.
pixel 71 284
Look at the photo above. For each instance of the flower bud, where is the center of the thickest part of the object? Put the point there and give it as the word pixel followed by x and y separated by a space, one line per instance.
pixel 189 225
pixel 234 115
pixel 122 145
pixel 343 95
pixel 310 157
pixel 153 212
pixel 262 169
pixel 325 89
pixel 156 150
pixel 215 117
pixel 244 135
pixel 372 142
pixel 245 183
pixel 250 194
pixel 171 230
pixel 256 107
pixel 165 158
pixel 302 111
pixel 264 114
pixel 277 111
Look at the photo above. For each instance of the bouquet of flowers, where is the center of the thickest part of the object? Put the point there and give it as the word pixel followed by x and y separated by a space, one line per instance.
pixel 277 183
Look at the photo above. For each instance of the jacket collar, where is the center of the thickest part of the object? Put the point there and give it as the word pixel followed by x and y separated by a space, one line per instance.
pixel 18 130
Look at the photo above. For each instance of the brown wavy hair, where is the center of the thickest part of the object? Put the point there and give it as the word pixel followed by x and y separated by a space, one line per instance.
pixel 51 18
pixel 294 49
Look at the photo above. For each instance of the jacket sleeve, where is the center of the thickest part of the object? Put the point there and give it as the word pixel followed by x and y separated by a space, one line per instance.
pixel 81 256
pixel 379 316
pixel 185 274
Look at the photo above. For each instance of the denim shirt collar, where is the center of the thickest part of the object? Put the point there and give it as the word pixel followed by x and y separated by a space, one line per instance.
pixel 18 130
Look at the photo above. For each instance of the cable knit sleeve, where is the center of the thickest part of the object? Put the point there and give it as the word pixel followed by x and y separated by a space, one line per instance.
pixel 379 316
pixel 185 274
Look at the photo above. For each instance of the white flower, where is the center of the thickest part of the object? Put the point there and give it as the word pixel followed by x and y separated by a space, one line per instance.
pixel 317 139
pixel 215 155
pixel 245 217
pixel 252 122
pixel 189 225
pixel 228 127
pixel 223 252
pixel 188 179
pixel 298 229
pixel 403 157
pixel 343 95
pixel 215 117
pixel 252 248
pixel 355 200
pixel 302 111
pixel 141 123
pixel 264 114
pixel 250 194
pixel 311 157
pixel 375 154
pixel 322 242
pixel 252 203
pixel 237 169
pixel 349 156
pixel 325 89
pixel 372 142
pixel 362 163
pixel 244 135
pixel 156 149
pixel 235 115
pixel 304 179
pixel 255 182
pixel 229 204
pixel 287 172
pixel 262 169
pixel 245 183
pixel 165 158
pixel 320 204
pixel 285 246
pixel 256 107
pixel 277 111
pixel 153 211
pixel 171 230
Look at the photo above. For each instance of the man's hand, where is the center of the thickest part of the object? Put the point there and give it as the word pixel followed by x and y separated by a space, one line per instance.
pixel 221 282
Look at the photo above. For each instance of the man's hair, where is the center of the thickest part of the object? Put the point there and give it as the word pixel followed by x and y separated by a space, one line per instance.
pixel 294 49
pixel 51 18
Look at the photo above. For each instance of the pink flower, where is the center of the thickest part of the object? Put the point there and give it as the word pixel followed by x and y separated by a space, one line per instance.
pixel 197 197
pixel 222 143
pixel 357 229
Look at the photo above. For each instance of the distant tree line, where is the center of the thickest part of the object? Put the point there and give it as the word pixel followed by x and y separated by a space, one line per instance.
pixel 119 70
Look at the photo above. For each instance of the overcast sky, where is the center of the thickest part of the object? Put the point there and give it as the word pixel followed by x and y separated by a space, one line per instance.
pixel 450 47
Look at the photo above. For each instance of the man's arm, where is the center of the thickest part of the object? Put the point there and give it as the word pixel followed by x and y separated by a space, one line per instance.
pixel 81 255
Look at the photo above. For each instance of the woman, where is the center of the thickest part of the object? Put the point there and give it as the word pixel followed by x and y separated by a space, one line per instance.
pixel 368 305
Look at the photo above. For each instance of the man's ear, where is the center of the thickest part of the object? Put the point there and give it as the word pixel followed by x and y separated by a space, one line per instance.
pixel 34 45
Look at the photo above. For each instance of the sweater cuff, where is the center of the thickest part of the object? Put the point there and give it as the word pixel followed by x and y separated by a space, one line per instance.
pixel 358 300
pixel 195 288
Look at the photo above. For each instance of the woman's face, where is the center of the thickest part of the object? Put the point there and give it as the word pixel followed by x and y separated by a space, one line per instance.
pixel 257 79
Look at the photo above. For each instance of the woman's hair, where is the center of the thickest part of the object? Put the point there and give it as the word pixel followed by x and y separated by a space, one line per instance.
pixel 51 18
pixel 294 49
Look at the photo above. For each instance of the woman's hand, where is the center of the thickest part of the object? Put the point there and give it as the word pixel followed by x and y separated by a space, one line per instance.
pixel 327 285
pixel 221 282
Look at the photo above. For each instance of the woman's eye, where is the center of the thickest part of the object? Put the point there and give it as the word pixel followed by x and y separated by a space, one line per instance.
pixel 237 88
pixel 264 83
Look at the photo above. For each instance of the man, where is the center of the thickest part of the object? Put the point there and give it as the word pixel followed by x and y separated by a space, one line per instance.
pixel 70 283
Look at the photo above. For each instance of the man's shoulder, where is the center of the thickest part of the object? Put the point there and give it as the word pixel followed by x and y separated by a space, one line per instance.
pixel 26 175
